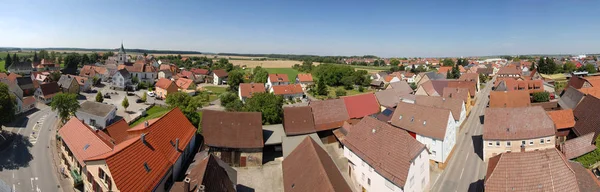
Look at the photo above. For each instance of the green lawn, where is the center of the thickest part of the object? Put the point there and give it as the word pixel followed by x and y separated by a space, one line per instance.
pixel 348 92
pixel 151 113
pixel 2 66
pixel 216 90
pixel 291 73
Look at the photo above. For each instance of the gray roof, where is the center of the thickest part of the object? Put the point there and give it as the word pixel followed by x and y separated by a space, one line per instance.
pixel 570 98
pixel 124 73
pixel 401 87
pixel 95 108
pixel 291 142
pixel 25 83
pixel 65 81
pixel 272 134
pixel 20 66
pixel 435 76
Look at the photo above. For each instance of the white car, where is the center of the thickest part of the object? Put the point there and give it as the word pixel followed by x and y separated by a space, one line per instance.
pixel 151 94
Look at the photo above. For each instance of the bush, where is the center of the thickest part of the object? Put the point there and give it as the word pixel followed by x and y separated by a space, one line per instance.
pixel 541 97
pixel 361 89
pixel 340 92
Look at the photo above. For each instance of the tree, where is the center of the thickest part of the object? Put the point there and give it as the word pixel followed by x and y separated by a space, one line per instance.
pixel 552 68
pixel 234 79
pixel 532 66
pixel 482 78
pixel 187 104
pixel 271 107
pixel 361 89
pixel 231 101
pixel 541 97
pixel 447 62
pixel 413 69
pixel 94 57
pixel 135 80
pixel 348 82
pixel 569 67
pixel 95 80
pixel 7 105
pixel 260 75
pixel 55 76
pixel 590 68
pixel 455 72
pixel 340 92
pixel 43 55
pixel 85 59
pixel 15 59
pixel 144 97
pixel 99 97
pixel 542 67
pixel 8 61
pixel 449 74
pixel 65 104
pixel 72 60
pixel 321 87
pixel 145 54
pixel 413 86
pixel 394 62
pixel 35 57
pixel 125 103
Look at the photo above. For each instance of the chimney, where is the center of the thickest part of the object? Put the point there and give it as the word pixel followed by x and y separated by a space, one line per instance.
pixel 177 144
pixel 186 184
pixel 145 123
pixel 143 138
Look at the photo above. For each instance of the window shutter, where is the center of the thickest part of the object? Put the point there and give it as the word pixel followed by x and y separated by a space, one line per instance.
pixel 99 173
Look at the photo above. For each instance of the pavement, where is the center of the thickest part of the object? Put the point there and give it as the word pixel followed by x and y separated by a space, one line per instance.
pixel 267 178
pixel 466 170
pixel 116 97
pixel 27 164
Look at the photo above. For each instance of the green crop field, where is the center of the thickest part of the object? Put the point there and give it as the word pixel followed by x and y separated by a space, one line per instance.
pixel 292 73
pixel 2 69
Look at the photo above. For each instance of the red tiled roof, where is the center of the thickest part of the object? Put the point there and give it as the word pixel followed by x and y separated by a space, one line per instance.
pixel 469 77
pixel 586 180
pixel 232 129
pixel 28 100
pixel 517 123
pixel 305 77
pixel 118 131
pixel 593 91
pixel 164 83
pixel 164 67
pixel 543 170
pixel 49 89
pixel 593 80
pixel 329 114
pixel 287 89
pixel 298 120
pixel 82 141
pixel 387 149
pixel 247 89
pixel 454 105
pixel 359 106
pixel 457 93
pixel 508 71
pixel 503 99
pixel 278 77
pixel 586 114
pixel 444 70
pixel 309 168
pixel 220 73
pixel 126 161
pixel 579 146
pixel 471 85
pixel 199 71
pixel 562 118
pixel 184 83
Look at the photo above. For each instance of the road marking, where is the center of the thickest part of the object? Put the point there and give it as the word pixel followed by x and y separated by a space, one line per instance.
pixel 14 189
pixel 467 156
pixel 32 182
pixel 13 174
pixel 461 172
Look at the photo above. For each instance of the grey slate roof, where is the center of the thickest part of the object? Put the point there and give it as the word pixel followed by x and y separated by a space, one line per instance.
pixel 272 134
pixel 65 81
pixel 435 76
pixel 570 98
pixel 20 66
pixel 124 73
pixel 95 108
pixel 25 83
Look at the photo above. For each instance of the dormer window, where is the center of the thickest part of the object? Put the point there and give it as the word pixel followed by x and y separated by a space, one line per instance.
pixel 412 119
pixel 424 122
pixel 400 117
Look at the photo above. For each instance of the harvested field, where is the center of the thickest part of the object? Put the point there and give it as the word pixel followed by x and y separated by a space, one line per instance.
pixel 268 64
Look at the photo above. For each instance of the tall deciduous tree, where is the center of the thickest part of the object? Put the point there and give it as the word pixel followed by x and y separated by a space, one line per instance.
pixel 231 101
pixel 94 57
pixel 260 75
pixel 321 87
pixel 65 104
pixel 271 107
pixel 85 59
pixel 7 105
pixel 187 104
pixel 234 79
pixel 542 67
pixel 394 62
pixel 125 103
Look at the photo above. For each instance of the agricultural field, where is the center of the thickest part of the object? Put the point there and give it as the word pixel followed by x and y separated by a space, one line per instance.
pixel 331 93
pixel 2 63
pixel 291 73
pixel 268 63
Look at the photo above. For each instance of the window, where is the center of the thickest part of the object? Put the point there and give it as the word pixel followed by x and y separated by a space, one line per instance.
pixel 412 119
pixel 498 143
pixel 369 181
pixel 400 117
pixel 548 141
pixel 531 142
pixel 433 153
pixel 490 143
pixel 541 141
pixel 523 143
pixel 363 176
pixel 508 143
pixel 101 173
pixel 424 122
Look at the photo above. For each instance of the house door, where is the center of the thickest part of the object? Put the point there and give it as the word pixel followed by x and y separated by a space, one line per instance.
pixel 243 161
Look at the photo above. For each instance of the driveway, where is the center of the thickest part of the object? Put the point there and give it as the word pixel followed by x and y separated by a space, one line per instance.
pixel 466 169
pixel 268 178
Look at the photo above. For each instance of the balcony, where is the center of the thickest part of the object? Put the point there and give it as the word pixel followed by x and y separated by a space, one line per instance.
pixel 76 178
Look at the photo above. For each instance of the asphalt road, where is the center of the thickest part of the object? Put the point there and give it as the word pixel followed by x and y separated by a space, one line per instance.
pixel 466 169
pixel 27 164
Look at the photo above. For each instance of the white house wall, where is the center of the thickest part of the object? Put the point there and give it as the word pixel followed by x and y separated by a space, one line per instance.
pixel 441 149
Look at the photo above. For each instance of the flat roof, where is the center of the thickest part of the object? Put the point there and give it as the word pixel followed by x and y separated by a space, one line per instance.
pixel 291 142
pixel 273 133
pixel 95 108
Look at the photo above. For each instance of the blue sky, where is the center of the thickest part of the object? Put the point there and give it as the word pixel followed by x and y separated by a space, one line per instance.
pixel 384 28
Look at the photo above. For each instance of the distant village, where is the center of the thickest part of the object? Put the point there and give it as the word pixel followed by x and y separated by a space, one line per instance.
pixel 422 124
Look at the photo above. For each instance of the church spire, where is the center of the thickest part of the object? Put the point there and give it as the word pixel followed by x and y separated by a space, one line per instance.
pixel 122 50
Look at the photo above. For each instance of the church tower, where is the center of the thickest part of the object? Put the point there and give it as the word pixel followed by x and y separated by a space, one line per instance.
pixel 122 56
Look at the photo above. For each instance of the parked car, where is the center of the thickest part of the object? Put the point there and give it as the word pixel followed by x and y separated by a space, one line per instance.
pixel 151 94
pixel 107 96
pixel 130 94
pixel 139 101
